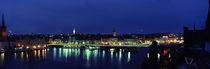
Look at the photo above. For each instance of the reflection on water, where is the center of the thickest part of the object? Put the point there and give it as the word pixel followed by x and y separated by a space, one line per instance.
pixel 54 51
pixel 129 56
pixel 72 57
pixel 15 54
pixel 2 58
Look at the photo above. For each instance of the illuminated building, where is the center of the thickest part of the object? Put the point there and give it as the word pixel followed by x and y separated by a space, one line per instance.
pixel 114 32
pixel 109 40
pixel 165 37
pixel 113 41
pixel 74 31
pixel 32 43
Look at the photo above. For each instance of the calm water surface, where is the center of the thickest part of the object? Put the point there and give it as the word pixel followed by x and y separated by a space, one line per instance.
pixel 74 58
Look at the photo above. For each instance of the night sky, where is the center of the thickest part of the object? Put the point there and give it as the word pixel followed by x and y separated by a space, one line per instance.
pixel 100 16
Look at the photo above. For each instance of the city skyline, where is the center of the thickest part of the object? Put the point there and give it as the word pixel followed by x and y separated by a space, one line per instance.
pixel 57 17
pixel 74 31
pixel 104 34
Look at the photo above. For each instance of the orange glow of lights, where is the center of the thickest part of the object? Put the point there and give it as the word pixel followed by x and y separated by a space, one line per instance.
pixel 45 46
pixel 39 46
pixel 34 46
pixel 165 37
pixel 18 44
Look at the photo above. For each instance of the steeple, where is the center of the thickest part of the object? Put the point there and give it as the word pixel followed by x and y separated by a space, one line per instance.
pixel 3 25
pixel 3 32
pixel 74 31
pixel 114 32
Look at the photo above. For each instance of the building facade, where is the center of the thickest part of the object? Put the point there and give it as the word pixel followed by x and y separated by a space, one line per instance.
pixel 197 38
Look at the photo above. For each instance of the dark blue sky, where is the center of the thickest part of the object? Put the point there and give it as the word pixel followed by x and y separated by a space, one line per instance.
pixel 99 16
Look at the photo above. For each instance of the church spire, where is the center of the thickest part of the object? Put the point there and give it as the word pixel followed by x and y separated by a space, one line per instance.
pixel 74 31
pixel 3 25
pixel 3 30
pixel 114 32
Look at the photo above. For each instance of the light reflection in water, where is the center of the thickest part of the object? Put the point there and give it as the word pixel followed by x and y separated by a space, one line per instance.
pixel 27 56
pixel 95 53
pixel 78 51
pixel 60 52
pixel 22 54
pixel 88 53
pixel 43 53
pixel 66 53
pixel 158 57
pixel 83 56
pixel 116 54
pixel 129 56
pixel 15 55
pixel 70 52
pixel 54 53
pixel 75 52
pixel 35 53
pixel 147 55
pixel 38 54
pixel 112 54
pixel 2 57
pixel 120 55
pixel 104 54
pixel 90 57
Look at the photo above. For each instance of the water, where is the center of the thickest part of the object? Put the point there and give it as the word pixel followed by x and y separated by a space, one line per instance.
pixel 74 58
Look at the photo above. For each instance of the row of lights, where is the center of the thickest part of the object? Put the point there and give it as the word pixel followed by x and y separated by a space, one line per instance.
pixel 34 47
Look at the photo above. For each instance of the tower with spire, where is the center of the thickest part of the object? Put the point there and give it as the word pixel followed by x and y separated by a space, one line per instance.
pixel 74 31
pixel 3 35
pixel 114 32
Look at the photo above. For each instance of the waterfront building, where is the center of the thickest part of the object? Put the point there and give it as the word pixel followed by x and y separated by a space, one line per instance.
pixel 31 42
pixel 108 39
pixel 165 40
pixel 131 41
pixel 5 44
